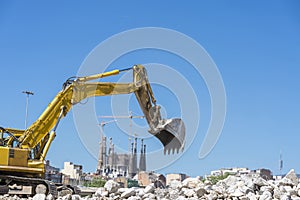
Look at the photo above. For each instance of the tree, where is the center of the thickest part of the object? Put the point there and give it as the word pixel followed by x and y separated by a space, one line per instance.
pixel 95 182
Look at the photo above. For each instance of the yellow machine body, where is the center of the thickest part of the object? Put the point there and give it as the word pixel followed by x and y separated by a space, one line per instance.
pixel 15 161
pixel 13 157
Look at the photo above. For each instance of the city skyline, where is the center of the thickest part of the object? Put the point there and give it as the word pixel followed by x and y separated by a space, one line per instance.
pixel 255 46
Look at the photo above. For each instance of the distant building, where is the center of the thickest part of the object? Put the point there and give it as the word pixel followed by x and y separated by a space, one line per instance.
pixel 72 174
pixel 52 173
pixel 114 164
pixel 264 173
pixel 232 171
pixel 120 164
pixel 146 178
pixel 132 168
pixel 142 164
pixel 172 177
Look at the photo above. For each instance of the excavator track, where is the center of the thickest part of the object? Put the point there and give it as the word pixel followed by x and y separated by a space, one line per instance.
pixel 14 185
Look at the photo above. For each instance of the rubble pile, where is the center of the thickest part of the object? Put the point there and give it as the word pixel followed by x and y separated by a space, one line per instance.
pixel 243 187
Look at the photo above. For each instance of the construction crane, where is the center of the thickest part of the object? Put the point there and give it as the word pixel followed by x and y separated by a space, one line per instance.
pixel 131 117
pixel 104 123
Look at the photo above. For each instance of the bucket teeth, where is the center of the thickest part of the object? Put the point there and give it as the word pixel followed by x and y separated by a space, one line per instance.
pixel 171 133
pixel 171 151
pixel 173 147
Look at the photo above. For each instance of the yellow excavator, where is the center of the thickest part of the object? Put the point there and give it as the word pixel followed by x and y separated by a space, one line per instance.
pixel 23 152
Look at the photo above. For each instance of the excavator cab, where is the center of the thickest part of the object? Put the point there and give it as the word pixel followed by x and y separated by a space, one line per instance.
pixel 170 132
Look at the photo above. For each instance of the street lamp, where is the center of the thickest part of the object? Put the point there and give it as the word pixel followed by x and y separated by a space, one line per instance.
pixel 27 101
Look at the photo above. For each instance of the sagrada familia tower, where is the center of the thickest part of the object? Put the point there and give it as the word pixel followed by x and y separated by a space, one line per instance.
pixel 117 164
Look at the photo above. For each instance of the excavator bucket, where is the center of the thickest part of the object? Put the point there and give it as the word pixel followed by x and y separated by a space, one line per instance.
pixel 171 132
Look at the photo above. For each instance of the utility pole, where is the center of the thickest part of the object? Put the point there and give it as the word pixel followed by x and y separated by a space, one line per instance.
pixel 27 102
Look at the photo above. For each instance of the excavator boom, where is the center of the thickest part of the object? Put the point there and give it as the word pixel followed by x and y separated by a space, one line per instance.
pixel 170 132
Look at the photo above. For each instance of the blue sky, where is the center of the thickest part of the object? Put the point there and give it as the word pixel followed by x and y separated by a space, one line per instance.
pixel 255 45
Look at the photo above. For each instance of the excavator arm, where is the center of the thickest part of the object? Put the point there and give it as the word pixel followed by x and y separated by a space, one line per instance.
pixel 170 132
